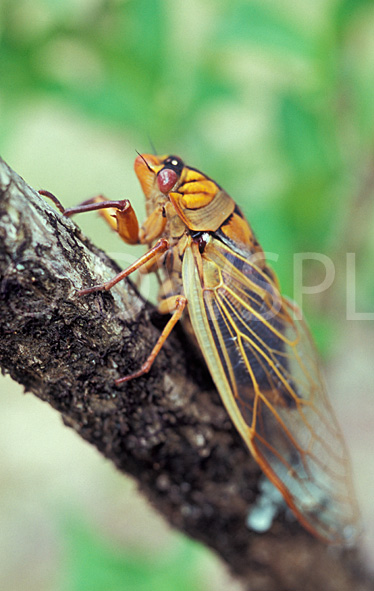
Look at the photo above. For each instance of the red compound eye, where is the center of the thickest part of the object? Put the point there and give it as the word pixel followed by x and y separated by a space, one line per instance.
pixel 166 179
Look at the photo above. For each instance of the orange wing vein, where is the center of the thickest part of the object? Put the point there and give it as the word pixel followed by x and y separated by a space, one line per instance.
pixel 265 367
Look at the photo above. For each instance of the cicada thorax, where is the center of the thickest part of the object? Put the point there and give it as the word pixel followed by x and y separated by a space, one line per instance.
pixel 184 205
pixel 200 203
pixel 180 198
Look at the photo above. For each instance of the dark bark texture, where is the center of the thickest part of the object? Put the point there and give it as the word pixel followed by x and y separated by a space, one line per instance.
pixel 168 429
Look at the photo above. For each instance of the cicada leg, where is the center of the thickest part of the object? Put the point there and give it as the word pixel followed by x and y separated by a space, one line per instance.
pixel 127 226
pixel 175 304
pixel 53 198
pixel 119 214
pixel 159 248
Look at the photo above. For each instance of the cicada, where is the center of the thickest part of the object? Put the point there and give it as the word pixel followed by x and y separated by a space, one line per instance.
pixel 255 342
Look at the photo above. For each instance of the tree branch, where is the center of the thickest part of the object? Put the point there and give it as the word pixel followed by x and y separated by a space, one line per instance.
pixel 169 429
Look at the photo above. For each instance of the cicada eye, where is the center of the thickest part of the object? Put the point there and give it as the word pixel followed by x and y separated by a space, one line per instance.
pixel 166 179
pixel 170 173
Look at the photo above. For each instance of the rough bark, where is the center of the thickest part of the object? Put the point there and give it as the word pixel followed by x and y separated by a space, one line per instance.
pixel 167 429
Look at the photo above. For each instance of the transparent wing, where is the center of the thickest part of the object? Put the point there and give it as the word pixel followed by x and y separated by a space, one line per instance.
pixel 261 357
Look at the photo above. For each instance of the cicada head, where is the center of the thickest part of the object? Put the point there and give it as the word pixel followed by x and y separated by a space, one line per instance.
pixel 200 203
pixel 146 168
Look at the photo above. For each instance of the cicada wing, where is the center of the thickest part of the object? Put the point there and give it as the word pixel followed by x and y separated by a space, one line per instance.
pixel 261 357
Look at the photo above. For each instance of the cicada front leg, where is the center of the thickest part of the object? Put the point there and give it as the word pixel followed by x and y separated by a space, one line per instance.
pixel 121 217
pixel 118 214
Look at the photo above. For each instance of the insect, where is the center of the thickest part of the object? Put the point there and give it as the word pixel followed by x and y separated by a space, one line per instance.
pixel 254 341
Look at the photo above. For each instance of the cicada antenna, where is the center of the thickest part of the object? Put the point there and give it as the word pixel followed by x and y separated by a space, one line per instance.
pixel 145 162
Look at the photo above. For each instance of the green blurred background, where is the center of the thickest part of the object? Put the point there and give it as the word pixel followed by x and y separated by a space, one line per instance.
pixel 275 100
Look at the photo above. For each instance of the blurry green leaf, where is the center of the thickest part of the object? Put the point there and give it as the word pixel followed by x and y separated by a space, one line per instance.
pixel 308 140
pixel 115 101
pixel 363 108
pixel 346 10
pixel 141 32
pixel 305 138
pixel 92 564
pixel 250 22
pixel 271 228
